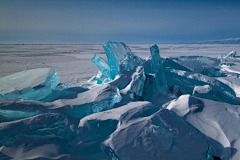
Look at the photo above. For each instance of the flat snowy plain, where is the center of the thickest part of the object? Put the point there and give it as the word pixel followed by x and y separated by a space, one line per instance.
pixel 73 62
pixel 142 131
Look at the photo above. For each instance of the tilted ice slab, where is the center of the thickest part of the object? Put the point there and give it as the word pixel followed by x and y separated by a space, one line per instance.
pixel 162 135
pixel 188 80
pixel 104 74
pixel 209 92
pixel 15 109
pixel 31 84
pixel 43 124
pixel 204 65
pixel 63 93
pixel 91 101
pixel 137 131
pixel 174 65
pixel 218 121
pixel 95 128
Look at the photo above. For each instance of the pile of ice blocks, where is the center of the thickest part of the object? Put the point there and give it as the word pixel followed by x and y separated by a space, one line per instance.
pixel 147 109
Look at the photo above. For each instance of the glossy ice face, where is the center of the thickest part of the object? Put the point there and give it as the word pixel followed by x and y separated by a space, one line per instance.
pixel 32 84
pixel 158 69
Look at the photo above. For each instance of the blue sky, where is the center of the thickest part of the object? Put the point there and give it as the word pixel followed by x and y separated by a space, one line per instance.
pixel 130 21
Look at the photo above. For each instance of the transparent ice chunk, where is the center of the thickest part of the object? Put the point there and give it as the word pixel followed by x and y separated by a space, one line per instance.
pixel 116 52
pixel 91 101
pixel 158 69
pixel 188 80
pixel 130 62
pixel 15 109
pixel 32 84
pixel 101 64
pixel 104 69
pixel 15 114
pixel 120 61
pixel 204 65
pixel 229 55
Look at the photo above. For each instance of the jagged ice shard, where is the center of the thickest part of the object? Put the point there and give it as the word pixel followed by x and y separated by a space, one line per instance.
pixel 137 84
pixel 115 52
pixel 119 53
pixel 31 84
pixel 158 69
pixel 104 74
pixel 15 109
pixel 130 62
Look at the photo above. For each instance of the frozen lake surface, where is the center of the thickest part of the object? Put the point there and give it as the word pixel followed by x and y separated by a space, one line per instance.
pixel 150 108
pixel 73 62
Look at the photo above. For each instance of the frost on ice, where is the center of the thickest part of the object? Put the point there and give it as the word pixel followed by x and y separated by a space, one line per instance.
pixel 183 107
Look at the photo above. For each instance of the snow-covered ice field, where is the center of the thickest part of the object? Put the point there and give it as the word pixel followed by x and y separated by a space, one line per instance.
pixel 73 62
pixel 150 109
